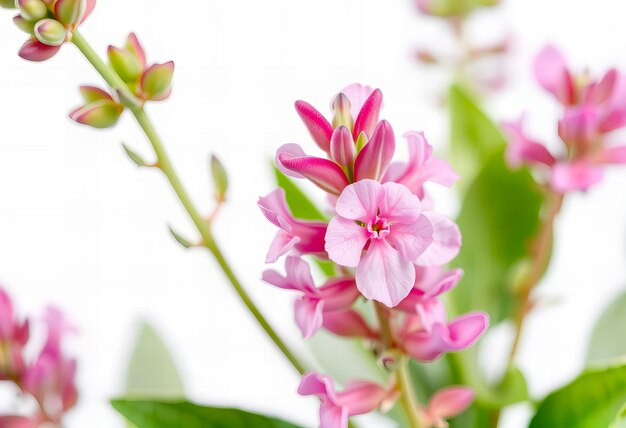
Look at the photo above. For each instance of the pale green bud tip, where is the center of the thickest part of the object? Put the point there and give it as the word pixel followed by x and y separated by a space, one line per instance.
pixel 156 81
pixel 125 64
pixel 32 10
pixel 220 178
pixel 24 24
pixel 50 32
pixel 341 108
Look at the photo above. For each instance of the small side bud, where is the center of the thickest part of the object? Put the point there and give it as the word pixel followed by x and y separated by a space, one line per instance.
pixel 156 81
pixel 220 179
pixel 341 108
pixel 182 241
pixel 34 50
pixel 99 114
pixel 7 4
pixel 125 64
pixel 24 24
pixel 137 159
pixel 32 10
pixel 50 32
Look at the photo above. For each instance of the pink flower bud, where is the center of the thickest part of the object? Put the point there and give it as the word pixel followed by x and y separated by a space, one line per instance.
pixel 125 63
pixel 98 114
pixel 69 12
pixel 316 123
pixel 50 32
pixel 445 404
pixel 373 160
pixel 368 116
pixel 325 174
pixel 32 10
pixel 342 107
pixel 133 46
pixel 156 81
pixel 34 50
pixel 342 148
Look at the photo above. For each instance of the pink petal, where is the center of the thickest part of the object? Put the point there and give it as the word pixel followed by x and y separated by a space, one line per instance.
pixel 360 201
pixel 613 155
pixel 298 276
pixel 600 92
pixel 325 174
pixel 347 323
pixel 89 7
pixel 368 115
pixel 553 75
pixel 522 149
pixel 320 129
pixel 6 316
pixel 134 46
pixel 345 241
pixel 338 293
pixel 281 245
pixel 427 346
pixel 309 315
pixel 399 204
pixel 375 157
pixel 450 402
pixel 290 150
pixel 342 147
pixel 34 50
pixel 577 175
pixel 332 416
pixel 579 126
pixel 446 241
pixel 411 240
pixel 384 275
pixel 19 422
pixel 361 397
pixel 357 94
pixel 445 283
pixel 465 330
pixel 318 384
pixel 274 208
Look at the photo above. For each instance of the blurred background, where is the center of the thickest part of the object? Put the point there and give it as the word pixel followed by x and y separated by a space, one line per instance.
pixel 83 228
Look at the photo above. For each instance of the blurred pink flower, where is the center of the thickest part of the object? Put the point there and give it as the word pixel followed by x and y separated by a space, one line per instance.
pixel 445 404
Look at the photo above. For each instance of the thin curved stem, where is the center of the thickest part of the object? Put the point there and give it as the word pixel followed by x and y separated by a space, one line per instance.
pixel 165 165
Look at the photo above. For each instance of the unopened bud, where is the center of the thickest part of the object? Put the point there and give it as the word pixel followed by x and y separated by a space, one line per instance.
pixel 33 10
pixel 341 108
pixel 69 12
pixel 156 81
pixel 125 64
pixel 24 24
pixel 99 114
pixel 220 178
pixel 342 148
pixel 50 32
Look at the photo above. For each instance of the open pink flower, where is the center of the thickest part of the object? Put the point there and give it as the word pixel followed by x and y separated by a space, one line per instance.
pixel 445 404
pixel 426 334
pixel 306 237
pixel 311 309
pixel 385 221
pixel 357 398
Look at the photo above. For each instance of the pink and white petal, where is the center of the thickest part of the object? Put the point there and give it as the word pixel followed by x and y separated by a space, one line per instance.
pixel 451 401
pixel 579 126
pixel 299 273
pixel 465 330
pixel 613 155
pixel 446 241
pixel 319 128
pixel 411 240
pixel 445 283
pixel 357 94
pixel 338 293
pixel 360 200
pixel 374 159
pixel 361 397
pixel 274 208
pixel 399 204
pixel 427 346
pixel 281 245
pixel 345 241
pixel 333 416
pixel 317 384
pixel 348 323
pixel 324 173
pixel 309 315
pixel 439 171
pixel 368 115
pixel 553 75
pixel 522 149
pixel 276 279
pixel 384 274
pixel 578 175
pixel 290 150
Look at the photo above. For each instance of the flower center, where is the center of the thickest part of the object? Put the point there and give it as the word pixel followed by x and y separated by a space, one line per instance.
pixel 378 228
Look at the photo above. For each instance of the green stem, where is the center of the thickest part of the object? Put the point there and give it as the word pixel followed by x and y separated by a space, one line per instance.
pixel 165 165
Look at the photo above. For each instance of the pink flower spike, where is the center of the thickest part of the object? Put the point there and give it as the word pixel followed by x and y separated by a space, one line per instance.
pixel 307 237
pixel 374 159
pixel 446 241
pixel 357 94
pixel 522 149
pixel 369 114
pixel 320 129
pixel 34 50
pixel 359 397
pixel 325 174
pixel 577 175
pixel 387 217
pixel 429 344
pixel 445 404
pixel 553 75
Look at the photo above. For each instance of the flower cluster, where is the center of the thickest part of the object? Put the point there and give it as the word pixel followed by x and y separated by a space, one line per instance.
pixel 49 23
pixel 386 243
pixel 593 109
pixel 48 378
pixel 145 82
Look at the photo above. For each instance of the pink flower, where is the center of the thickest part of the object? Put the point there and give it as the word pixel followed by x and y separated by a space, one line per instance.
pixel 524 150
pixel 13 338
pixel 421 168
pixel 386 221
pixel 315 303
pixel 430 283
pixel 19 422
pixel 426 334
pixel 306 237
pixel 357 398
pixel 445 404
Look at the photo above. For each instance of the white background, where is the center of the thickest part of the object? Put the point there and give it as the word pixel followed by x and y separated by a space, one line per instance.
pixel 81 227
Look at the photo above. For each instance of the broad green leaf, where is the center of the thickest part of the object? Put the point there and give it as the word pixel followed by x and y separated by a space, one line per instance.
pixel 595 399
pixel 182 414
pixel 606 341
pixel 474 137
pixel 151 371
pixel 499 218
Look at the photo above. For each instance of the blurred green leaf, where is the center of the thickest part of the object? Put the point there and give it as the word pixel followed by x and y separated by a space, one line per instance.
pixel 499 218
pixel 151 371
pixel 605 342
pixel 595 399
pixel 474 136
pixel 136 158
pixel 155 414
pixel 182 241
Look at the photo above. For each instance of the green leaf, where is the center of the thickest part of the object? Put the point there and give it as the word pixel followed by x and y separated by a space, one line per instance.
pixel 151 371
pixel 474 137
pixel 182 241
pixel 154 414
pixel 605 343
pixel 498 219
pixel 595 399
pixel 137 159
